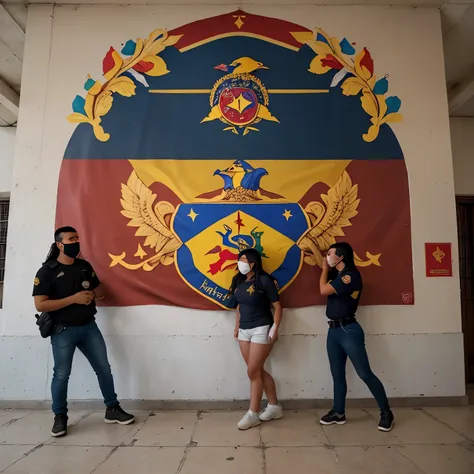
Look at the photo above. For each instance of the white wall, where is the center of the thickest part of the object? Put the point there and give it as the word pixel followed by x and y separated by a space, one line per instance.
pixel 174 353
pixel 462 139
pixel 7 147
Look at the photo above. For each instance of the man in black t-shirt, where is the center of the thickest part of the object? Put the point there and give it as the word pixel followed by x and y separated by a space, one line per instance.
pixel 66 287
pixel 346 337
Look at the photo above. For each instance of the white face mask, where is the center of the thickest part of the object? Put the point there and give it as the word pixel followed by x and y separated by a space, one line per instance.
pixel 332 263
pixel 244 267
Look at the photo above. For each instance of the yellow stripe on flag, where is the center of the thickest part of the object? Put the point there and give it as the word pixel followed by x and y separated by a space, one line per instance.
pixel 189 179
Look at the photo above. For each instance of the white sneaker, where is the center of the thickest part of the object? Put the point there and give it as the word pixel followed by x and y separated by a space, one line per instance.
pixel 271 412
pixel 249 421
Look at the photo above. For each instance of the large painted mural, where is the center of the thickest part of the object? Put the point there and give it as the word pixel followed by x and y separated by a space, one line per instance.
pixel 232 132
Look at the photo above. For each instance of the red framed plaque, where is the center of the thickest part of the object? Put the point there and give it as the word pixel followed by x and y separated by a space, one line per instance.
pixel 438 260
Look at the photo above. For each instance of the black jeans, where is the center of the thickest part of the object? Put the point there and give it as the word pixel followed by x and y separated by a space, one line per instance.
pixel 349 341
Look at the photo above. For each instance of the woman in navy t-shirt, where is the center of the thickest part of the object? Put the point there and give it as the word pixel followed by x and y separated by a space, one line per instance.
pixel 346 338
pixel 254 293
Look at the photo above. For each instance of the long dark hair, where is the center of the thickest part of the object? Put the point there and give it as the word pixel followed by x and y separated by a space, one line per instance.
pixel 253 256
pixel 54 251
pixel 345 250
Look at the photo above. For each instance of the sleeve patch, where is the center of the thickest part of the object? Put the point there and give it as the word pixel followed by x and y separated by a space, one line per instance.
pixel 346 279
pixel 37 281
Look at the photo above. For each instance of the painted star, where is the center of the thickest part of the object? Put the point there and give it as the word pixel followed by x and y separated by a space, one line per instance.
pixel 239 22
pixel 287 214
pixel 239 103
pixel 192 215
pixel 140 252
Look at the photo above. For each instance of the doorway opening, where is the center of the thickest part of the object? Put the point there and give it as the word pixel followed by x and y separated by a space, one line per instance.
pixel 465 218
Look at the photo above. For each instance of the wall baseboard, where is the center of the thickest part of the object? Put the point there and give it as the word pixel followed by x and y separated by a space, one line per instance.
pixel 301 404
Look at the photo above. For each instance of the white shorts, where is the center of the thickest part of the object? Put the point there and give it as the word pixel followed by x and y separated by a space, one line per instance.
pixel 256 335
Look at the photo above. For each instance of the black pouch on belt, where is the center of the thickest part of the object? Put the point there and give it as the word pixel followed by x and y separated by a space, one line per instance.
pixel 45 323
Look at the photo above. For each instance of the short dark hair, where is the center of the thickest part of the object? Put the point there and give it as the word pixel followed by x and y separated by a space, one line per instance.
pixel 58 235
pixel 345 250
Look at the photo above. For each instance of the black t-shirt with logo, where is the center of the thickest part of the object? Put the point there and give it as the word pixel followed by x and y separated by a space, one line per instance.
pixel 58 281
pixel 343 304
pixel 255 306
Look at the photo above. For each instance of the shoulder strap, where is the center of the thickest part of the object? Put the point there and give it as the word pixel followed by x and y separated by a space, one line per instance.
pixel 53 264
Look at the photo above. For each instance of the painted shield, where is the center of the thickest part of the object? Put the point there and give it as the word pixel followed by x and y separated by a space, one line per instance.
pixel 238 105
pixel 213 234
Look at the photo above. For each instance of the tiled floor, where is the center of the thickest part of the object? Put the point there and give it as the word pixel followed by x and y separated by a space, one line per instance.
pixel 429 441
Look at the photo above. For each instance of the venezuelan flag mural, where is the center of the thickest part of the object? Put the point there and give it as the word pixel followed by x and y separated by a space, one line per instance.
pixel 232 132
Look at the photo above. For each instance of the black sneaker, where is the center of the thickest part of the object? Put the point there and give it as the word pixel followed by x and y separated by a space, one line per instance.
pixel 59 426
pixel 332 417
pixel 387 420
pixel 117 415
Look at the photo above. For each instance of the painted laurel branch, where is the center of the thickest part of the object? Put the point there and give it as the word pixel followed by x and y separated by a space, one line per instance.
pixel 332 54
pixel 138 59
pixel 152 223
pixel 328 220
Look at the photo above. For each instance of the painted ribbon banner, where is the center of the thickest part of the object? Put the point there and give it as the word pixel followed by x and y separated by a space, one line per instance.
pixel 232 132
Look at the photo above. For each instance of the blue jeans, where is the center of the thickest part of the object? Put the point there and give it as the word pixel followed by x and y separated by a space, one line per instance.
pixel 88 339
pixel 349 341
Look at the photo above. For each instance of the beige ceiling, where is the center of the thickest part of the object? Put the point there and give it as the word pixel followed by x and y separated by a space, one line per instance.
pixel 458 38
pixel 420 3
pixel 12 43
pixel 457 24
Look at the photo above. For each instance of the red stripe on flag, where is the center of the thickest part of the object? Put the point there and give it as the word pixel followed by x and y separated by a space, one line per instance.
pixel 382 225
pixel 89 196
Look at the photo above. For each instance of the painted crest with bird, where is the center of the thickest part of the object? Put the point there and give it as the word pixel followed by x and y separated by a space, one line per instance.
pixel 239 99
pixel 241 185
pixel 241 182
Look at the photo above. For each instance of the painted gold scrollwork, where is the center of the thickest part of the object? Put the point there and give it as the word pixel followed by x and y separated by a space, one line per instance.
pixel 152 222
pixel 356 75
pixel 139 58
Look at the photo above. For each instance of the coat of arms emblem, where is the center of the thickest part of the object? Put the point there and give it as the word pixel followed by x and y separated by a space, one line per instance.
pixel 204 237
pixel 239 99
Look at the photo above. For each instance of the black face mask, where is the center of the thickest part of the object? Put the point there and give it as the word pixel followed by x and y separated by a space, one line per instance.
pixel 72 250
